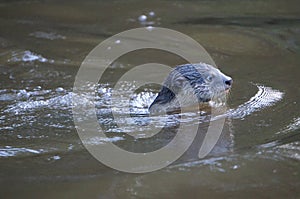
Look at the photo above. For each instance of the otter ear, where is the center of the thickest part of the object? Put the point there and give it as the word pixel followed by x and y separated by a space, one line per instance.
pixel 179 82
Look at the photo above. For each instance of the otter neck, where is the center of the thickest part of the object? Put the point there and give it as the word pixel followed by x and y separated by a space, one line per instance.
pixel 164 96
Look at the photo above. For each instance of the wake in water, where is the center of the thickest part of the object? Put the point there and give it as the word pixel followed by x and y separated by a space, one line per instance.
pixel 266 96
pixel 48 107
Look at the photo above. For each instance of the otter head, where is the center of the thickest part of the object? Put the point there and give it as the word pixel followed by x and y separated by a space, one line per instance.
pixel 201 80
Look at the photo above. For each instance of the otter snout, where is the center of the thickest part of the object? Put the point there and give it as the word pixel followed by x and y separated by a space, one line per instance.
pixel 228 82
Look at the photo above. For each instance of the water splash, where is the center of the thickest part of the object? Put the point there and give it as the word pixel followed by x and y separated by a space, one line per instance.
pixel 28 56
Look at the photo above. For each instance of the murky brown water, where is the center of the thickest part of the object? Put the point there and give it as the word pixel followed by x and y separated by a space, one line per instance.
pixel 42 45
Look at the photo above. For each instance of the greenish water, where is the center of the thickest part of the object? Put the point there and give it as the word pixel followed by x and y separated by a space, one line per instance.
pixel 42 44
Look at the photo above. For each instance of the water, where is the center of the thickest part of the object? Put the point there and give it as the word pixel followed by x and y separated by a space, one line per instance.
pixel 42 46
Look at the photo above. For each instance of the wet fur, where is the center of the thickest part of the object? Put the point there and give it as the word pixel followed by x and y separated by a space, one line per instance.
pixel 201 80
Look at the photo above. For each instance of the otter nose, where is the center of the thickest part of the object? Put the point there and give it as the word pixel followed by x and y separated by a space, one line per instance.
pixel 228 82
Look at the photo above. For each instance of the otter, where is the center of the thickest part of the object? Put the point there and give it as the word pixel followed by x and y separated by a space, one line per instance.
pixel 202 80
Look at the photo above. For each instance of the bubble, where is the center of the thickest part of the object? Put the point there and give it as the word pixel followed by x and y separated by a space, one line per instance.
pixel 151 14
pixel 59 89
pixel 56 157
pixel 149 28
pixel 142 18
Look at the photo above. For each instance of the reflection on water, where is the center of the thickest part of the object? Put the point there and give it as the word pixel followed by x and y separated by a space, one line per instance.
pixel 42 45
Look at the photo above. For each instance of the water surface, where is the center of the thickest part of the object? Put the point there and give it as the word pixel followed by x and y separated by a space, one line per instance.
pixel 42 46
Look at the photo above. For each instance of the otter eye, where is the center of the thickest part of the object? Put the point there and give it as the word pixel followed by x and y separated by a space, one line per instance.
pixel 209 78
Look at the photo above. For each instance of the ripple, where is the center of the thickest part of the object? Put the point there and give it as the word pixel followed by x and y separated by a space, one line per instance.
pixel 295 125
pixel 27 56
pixel 102 140
pixel 40 107
pixel 290 150
pixel 9 151
pixel 46 35
pixel 265 97
pixel 61 102
pixel 23 94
